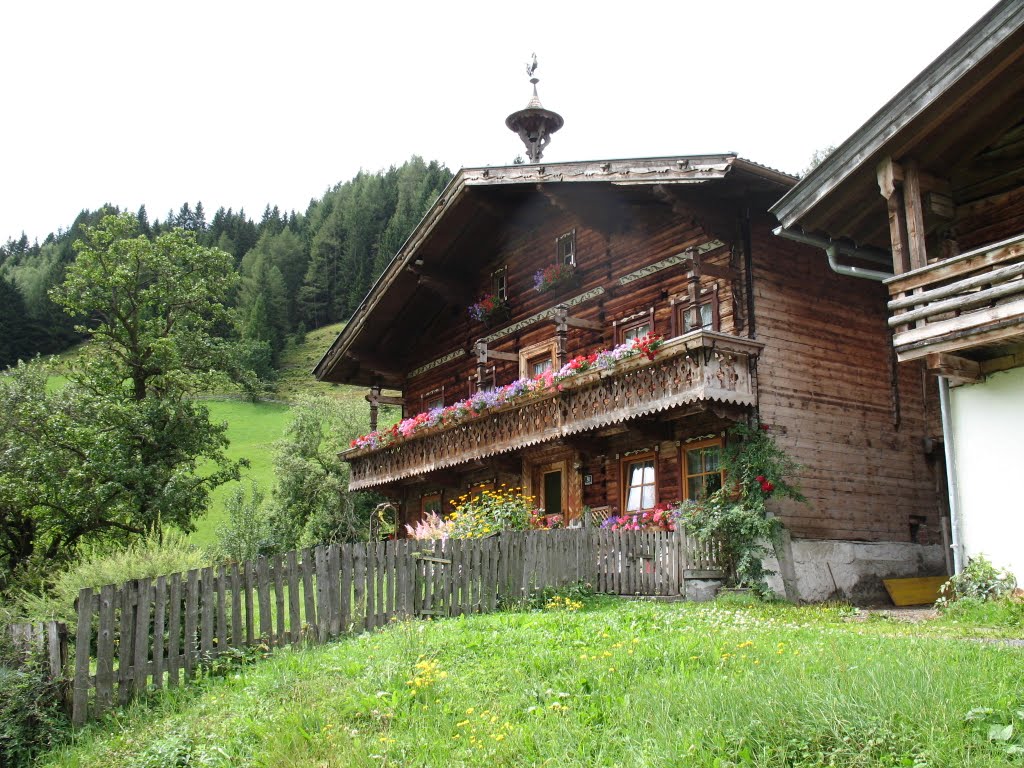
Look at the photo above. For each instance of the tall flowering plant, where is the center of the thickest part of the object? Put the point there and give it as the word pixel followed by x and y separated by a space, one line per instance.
pixel 553 276
pixel 479 402
pixel 490 511
pixel 736 515
pixel 489 307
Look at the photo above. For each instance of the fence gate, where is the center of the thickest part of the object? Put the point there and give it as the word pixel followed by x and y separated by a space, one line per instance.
pixel 432 575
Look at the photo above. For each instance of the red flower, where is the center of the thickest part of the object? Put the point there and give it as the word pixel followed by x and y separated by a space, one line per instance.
pixel 760 479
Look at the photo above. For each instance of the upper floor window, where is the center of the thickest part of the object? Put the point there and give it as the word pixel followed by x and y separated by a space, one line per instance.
pixel 537 359
pixel 635 326
pixel 433 399
pixel 499 283
pixel 565 248
pixel 702 468
pixel 698 315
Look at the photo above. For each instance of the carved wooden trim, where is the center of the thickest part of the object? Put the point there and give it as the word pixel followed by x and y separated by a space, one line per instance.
pixel 699 367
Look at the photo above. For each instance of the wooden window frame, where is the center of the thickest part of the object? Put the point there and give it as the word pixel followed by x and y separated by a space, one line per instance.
pixel 625 324
pixel 684 464
pixel 537 474
pixel 426 498
pixel 682 305
pixel 531 353
pixel 624 464
pixel 499 283
pixel 432 396
pixel 560 257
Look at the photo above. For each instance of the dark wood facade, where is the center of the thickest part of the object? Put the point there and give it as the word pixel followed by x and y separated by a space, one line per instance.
pixel 755 326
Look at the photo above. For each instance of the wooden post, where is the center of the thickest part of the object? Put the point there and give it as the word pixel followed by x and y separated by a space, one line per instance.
pixel 374 400
pixel 480 348
pixel 915 214
pixel 80 691
pixel 561 316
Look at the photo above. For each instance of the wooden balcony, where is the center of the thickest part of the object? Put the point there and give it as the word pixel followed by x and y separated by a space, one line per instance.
pixel 964 305
pixel 700 366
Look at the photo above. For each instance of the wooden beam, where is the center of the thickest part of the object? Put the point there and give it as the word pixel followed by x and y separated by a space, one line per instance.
pixel 959 370
pixel 376 364
pixel 891 174
pixel 599 210
pixel 562 318
pixel 443 284
pixel 914 206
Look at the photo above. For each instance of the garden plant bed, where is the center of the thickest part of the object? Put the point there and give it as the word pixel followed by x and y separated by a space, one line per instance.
pixel 595 682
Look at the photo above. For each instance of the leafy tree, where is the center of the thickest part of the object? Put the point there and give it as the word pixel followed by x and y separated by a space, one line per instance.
pixel 310 502
pixel 115 452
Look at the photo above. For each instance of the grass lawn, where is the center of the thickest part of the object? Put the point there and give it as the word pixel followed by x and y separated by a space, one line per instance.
pixel 617 683
pixel 253 428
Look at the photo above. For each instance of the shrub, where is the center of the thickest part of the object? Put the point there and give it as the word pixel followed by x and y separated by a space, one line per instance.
pixel 980 581
pixel 32 718
pixel 245 533
pixel 144 558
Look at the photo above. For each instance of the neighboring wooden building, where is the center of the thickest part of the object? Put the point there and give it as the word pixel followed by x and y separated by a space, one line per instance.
pixel 680 246
pixel 935 179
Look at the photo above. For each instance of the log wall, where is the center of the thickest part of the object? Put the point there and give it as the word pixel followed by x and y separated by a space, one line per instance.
pixel 602 258
pixel 828 382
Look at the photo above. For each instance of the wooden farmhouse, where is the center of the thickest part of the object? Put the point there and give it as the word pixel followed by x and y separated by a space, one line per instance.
pixel 755 326
pixel 935 180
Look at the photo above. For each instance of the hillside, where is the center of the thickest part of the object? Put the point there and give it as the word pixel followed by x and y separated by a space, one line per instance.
pixel 254 427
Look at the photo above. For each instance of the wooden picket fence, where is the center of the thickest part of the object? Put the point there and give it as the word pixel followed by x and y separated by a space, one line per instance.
pixel 151 633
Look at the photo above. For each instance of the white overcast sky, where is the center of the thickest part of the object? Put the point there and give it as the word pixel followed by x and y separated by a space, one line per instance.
pixel 242 104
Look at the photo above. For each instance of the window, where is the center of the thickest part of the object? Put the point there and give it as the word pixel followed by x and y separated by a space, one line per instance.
pixel 433 399
pixel 702 316
pixel 702 468
pixel 634 326
pixel 699 314
pixel 537 359
pixel 565 248
pixel 639 484
pixel 499 283
pixel 553 492
pixel 430 503
pixel 536 366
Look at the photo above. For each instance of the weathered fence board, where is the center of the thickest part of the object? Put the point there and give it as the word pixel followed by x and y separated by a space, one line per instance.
pixel 146 632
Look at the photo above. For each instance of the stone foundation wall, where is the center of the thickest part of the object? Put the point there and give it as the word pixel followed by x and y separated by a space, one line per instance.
pixel 826 569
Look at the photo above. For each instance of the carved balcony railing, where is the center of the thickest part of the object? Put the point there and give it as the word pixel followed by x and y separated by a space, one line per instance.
pixel 700 366
pixel 963 303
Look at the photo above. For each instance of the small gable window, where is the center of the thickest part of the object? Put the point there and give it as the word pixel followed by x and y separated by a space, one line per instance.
pixel 565 249
pixel 499 283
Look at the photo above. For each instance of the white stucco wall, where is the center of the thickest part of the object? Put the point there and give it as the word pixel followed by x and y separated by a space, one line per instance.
pixel 988 428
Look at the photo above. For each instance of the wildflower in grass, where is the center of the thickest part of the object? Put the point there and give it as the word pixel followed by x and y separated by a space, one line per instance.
pixel 560 603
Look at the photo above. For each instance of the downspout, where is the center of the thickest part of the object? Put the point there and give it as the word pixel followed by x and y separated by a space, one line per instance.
pixel 951 483
pixel 833 249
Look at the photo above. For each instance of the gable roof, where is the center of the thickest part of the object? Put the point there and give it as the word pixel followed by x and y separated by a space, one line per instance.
pixel 972 91
pixel 475 193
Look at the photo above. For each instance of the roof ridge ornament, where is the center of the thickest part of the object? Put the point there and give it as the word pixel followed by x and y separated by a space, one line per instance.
pixel 534 124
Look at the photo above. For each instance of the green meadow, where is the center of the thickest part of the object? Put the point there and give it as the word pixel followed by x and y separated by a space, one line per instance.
pixel 602 682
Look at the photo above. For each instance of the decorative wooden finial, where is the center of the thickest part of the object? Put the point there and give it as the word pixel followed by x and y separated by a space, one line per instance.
pixel 534 124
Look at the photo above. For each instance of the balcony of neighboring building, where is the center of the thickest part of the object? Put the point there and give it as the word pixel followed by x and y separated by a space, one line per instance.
pixel 969 307
pixel 698 367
